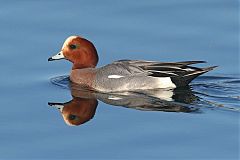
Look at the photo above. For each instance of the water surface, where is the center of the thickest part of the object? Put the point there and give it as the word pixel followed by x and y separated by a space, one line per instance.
pixel 32 31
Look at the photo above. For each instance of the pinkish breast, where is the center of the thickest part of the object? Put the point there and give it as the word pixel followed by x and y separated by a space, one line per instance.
pixel 84 77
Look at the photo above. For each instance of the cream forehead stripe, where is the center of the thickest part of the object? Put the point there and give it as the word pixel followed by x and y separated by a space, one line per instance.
pixel 69 39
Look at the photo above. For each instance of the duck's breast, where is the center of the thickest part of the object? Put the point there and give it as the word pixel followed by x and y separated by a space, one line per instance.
pixel 84 77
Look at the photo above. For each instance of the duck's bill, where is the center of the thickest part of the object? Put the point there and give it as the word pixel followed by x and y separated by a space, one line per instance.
pixel 56 105
pixel 56 57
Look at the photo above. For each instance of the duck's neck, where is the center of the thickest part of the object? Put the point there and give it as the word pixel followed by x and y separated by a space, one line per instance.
pixel 87 60
pixel 81 66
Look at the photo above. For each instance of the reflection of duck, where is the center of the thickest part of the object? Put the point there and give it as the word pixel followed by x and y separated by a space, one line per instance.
pixel 84 103
pixel 78 110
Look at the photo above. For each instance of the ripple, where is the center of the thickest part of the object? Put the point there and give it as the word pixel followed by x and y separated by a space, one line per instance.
pixel 62 81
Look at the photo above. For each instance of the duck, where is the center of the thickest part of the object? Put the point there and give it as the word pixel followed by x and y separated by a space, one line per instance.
pixel 124 75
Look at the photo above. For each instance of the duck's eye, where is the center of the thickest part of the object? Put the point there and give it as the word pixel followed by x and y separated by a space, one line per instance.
pixel 72 117
pixel 72 46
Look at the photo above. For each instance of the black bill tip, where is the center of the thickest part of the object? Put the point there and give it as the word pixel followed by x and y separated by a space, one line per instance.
pixel 50 59
pixel 54 103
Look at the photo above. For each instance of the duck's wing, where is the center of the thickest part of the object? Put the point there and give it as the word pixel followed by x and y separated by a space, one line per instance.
pixel 144 62
pixel 181 73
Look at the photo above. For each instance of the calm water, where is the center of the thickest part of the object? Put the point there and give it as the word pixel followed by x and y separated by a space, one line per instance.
pixel 200 122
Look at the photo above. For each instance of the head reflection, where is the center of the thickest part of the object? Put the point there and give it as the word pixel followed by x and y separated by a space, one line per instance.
pixel 77 111
pixel 83 106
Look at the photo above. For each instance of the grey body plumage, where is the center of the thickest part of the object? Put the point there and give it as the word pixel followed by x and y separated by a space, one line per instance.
pixel 133 74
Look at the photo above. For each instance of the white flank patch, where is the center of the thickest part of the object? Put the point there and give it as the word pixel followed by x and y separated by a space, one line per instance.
pixel 114 98
pixel 165 82
pixel 115 76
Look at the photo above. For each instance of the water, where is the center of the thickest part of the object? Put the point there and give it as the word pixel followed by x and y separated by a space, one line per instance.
pixel 157 30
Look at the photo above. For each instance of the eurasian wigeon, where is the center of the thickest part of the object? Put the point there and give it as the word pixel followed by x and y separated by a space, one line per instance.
pixel 123 75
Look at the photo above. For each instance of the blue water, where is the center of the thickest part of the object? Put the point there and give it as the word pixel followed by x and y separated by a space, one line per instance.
pixel 168 30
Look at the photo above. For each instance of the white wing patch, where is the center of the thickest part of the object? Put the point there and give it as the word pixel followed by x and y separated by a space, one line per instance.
pixel 115 76
pixel 114 98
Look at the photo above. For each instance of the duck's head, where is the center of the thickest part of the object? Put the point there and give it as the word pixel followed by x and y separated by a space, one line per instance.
pixel 80 51
pixel 77 111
